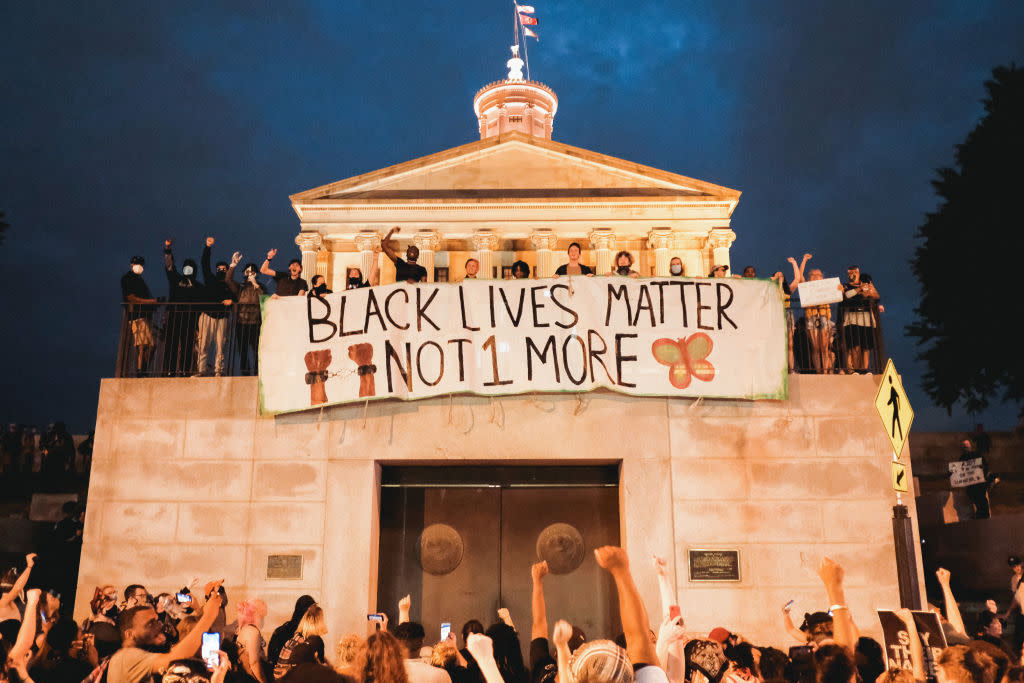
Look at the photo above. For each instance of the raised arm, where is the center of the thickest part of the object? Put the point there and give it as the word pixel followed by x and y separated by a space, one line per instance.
pixel 561 636
pixel 482 649
pixel 26 634
pixel 798 271
pixel 670 633
pixel 169 260
pixel 265 268
pixel 374 277
pixel 208 275
pixel 187 646
pixel 787 623
pixel 844 630
pixel 19 585
pixel 404 606
pixel 952 608
pixel 668 597
pixel 506 617
pixel 539 626
pixel 230 277
pixel 635 624
pixel 387 247
pixel 916 651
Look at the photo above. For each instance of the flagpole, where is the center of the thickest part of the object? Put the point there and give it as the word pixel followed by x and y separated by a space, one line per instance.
pixel 515 22
pixel 526 57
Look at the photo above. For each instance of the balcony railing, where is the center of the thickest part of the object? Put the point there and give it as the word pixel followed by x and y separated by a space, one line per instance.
pixel 188 340
pixel 825 340
pixel 168 340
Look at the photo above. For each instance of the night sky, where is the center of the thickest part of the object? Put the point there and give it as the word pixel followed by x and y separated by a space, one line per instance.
pixel 126 123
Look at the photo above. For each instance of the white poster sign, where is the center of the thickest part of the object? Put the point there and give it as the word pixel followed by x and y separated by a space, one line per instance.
pixel 965 473
pixel 645 337
pixel 818 292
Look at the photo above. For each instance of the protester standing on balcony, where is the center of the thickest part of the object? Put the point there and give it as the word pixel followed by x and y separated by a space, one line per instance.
pixel 407 270
pixel 856 321
pixel 817 319
pixel 675 267
pixel 247 324
pixel 574 267
pixel 213 321
pixel 289 283
pixel 136 294
pixel 624 265
pixel 184 291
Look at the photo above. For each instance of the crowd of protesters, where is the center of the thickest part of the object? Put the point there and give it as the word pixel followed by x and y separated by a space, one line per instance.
pixel 191 635
pixel 196 322
pixel 50 453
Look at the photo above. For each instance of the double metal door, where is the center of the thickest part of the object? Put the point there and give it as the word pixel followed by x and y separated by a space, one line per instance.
pixel 463 551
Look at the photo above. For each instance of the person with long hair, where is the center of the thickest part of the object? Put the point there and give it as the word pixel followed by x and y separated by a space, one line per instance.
pixel 508 654
pixel 308 635
pixel 286 630
pixel 381 660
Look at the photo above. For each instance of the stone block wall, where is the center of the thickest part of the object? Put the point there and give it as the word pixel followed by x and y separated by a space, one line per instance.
pixel 188 481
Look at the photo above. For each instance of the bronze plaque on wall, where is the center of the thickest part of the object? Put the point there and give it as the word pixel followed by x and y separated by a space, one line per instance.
pixel 284 566
pixel 714 565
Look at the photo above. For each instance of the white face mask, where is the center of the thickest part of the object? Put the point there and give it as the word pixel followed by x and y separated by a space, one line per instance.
pixel 137 269
pixel 187 270
pixel 676 269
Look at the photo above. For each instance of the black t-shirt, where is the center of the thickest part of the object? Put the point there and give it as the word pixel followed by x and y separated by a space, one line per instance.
pixel 543 667
pixel 286 286
pixel 564 270
pixel 409 271
pixel 134 284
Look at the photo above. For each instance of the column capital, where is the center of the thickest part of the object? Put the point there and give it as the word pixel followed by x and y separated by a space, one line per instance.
pixel 721 238
pixel 543 239
pixel 309 241
pixel 601 238
pixel 367 241
pixel 427 240
pixel 659 238
pixel 485 240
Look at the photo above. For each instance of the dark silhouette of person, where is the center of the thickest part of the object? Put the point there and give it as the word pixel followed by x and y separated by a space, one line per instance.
pixel 894 401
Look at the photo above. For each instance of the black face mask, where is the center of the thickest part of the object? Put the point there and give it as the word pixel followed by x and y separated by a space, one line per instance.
pixel 354 282
pixel 623 270
pixel 221 274
pixel 320 289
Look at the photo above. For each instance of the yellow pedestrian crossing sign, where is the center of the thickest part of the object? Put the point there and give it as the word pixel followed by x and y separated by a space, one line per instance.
pixel 894 409
pixel 899 478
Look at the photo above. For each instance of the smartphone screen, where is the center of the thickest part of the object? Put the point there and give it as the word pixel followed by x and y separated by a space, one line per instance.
pixel 375 617
pixel 673 611
pixel 184 597
pixel 211 643
pixel 446 628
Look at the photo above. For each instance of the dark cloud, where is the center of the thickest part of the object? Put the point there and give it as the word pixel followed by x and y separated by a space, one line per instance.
pixel 129 123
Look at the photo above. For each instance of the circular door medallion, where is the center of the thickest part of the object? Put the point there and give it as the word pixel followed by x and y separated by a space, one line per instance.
pixel 562 546
pixel 440 549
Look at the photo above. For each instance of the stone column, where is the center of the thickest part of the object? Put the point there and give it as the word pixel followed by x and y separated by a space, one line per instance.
pixel 368 244
pixel 690 248
pixel 543 242
pixel 309 244
pixel 660 239
pixel 427 241
pixel 720 240
pixel 603 240
pixel 485 242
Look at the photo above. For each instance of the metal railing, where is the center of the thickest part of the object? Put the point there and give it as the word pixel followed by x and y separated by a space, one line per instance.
pixel 188 340
pixel 829 340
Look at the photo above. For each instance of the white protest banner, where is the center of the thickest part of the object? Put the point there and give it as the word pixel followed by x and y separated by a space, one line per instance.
pixel 897 640
pixel 818 292
pixel 645 337
pixel 966 473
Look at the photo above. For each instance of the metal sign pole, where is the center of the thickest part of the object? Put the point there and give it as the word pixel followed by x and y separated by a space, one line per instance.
pixel 906 558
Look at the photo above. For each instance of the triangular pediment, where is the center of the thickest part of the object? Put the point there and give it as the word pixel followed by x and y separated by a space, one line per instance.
pixel 514 166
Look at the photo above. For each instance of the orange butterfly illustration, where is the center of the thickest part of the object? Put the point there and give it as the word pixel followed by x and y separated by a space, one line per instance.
pixel 686 358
